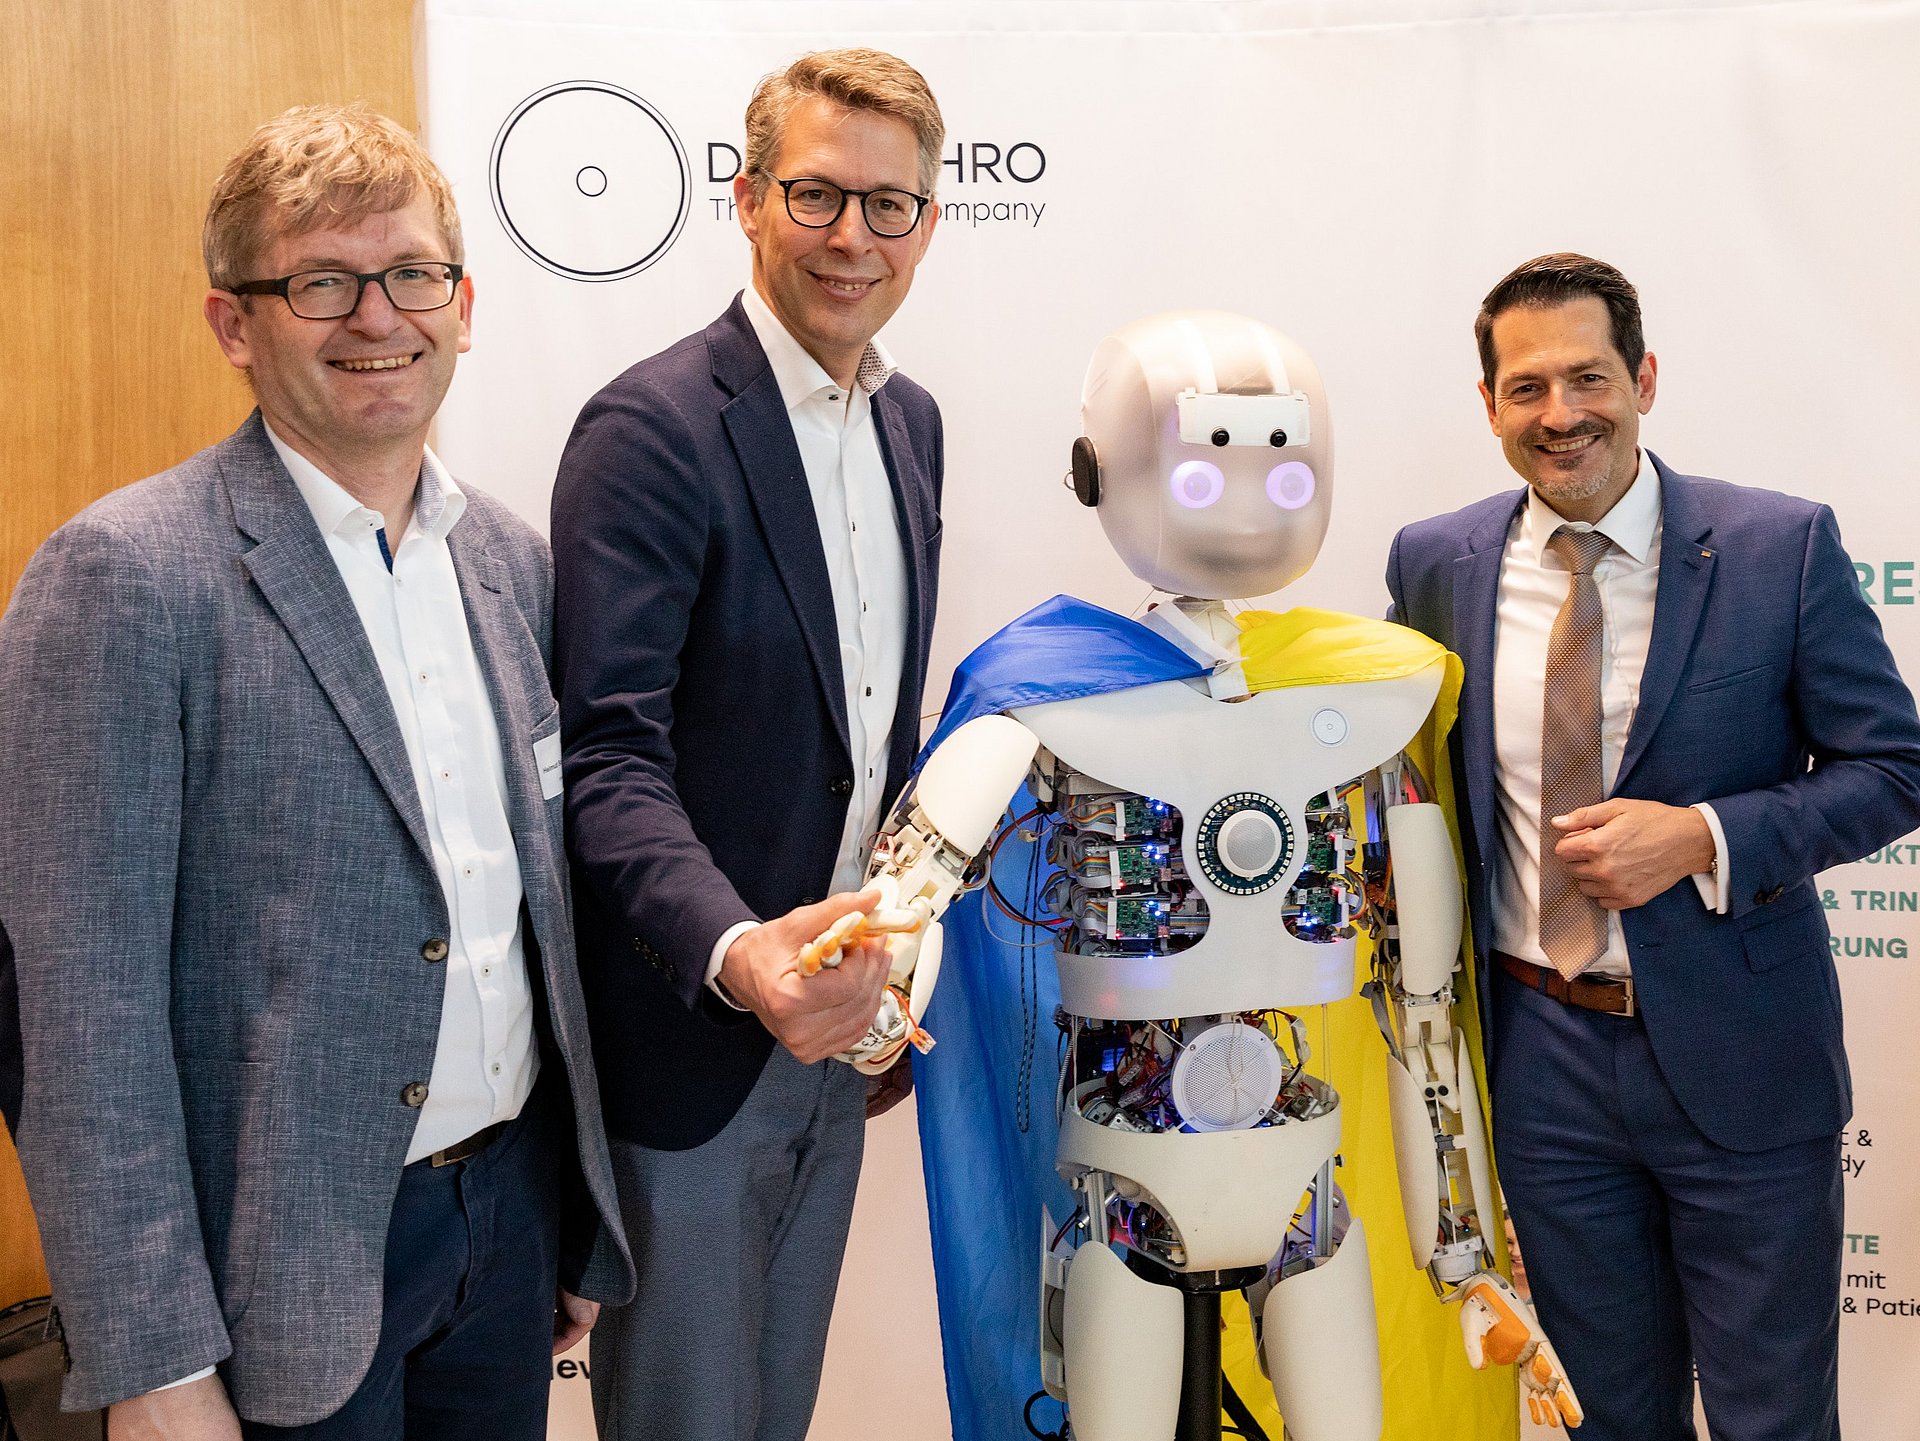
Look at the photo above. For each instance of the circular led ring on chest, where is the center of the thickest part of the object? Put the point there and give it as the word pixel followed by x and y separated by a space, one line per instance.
pixel 1244 843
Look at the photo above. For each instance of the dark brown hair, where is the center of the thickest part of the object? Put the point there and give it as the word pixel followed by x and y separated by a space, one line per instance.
pixel 1549 280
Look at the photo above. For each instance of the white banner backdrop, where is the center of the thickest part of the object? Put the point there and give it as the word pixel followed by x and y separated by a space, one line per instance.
pixel 1357 174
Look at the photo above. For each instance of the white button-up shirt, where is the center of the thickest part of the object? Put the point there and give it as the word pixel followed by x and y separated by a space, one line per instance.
pixel 853 505
pixel 1533 586
pixel 486 1058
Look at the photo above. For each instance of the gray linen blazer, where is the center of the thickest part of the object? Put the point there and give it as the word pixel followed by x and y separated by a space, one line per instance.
pixel 215 874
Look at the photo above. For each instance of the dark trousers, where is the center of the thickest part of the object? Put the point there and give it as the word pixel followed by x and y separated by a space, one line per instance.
pixel 466 1326
pixel 1651 1250
pixel 738 1245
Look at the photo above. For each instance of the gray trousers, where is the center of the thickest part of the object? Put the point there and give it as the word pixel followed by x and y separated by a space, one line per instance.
pixel 738 1244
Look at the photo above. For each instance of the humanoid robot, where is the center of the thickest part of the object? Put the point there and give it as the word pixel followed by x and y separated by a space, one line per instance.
pixel 1217 851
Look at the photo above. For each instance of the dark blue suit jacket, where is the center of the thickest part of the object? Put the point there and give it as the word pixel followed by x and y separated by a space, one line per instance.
pixel 698 667
pixel 1769 692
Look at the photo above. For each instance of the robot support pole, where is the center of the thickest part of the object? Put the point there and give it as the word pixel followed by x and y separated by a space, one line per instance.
pixel 1200 1368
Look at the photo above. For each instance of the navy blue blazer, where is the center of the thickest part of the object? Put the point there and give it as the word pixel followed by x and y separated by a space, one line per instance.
pixel 1769 692
pixel 698 668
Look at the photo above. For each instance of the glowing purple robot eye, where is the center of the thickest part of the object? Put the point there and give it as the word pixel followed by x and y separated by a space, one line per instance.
pixel 1197 484
pixel 1290 486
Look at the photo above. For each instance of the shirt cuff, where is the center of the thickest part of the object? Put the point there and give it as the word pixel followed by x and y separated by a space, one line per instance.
pixel 727 937
pixel 199 1375
pixel 1715 885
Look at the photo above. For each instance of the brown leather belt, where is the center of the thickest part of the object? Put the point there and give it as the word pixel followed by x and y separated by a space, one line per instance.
pixel 466 1150
pixel 1612 995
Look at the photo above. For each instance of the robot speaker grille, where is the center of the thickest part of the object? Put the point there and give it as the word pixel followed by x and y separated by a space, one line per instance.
pixel 1226 1078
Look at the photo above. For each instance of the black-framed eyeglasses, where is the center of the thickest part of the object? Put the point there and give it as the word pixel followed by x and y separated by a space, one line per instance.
pixel 330 294
pixel 817 204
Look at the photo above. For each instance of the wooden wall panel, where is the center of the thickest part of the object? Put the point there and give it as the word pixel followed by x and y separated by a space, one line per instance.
pixel 114 120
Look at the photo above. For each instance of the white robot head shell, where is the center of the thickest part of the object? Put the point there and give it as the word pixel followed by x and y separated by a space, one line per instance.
pixel 1208 451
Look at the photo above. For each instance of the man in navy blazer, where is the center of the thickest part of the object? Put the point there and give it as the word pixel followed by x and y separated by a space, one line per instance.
pixel 747 533
pixel 1667 1119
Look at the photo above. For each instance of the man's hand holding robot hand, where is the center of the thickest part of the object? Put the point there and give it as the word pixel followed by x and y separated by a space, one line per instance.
pixel 812 1017
pixel 921 860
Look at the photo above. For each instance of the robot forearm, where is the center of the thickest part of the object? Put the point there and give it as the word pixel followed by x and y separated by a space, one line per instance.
pixel 920 862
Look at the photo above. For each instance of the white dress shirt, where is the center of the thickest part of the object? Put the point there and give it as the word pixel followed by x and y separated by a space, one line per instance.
pixel 853 505
pixel 1533 586
pixel 486 1058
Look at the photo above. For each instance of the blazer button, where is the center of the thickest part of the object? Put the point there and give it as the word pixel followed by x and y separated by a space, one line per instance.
pixel 841 786
pixel 414 1094
pixel 434 950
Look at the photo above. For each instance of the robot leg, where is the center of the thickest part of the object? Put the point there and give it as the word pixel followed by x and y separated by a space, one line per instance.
pixel 1322 1348
pixel 1122 1342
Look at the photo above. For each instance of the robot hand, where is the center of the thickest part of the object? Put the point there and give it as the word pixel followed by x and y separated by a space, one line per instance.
pixel 1500 1329
pixel 823 951
pixel 920 859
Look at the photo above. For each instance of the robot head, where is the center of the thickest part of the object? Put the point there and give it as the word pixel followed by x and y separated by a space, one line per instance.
pixel 1208 452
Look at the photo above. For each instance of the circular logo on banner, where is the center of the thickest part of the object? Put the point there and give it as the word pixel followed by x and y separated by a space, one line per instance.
pixel 590 180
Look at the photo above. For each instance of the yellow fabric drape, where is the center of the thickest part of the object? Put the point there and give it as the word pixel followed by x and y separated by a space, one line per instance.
pixel 1431 1393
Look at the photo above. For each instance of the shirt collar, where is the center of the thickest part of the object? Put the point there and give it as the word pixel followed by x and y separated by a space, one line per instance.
pixel 438 504
pixel 799 375
pixel 1631 523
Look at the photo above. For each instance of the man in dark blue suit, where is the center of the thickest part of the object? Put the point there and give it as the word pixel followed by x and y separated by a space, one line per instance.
pixel 748 533
pixel 1678 709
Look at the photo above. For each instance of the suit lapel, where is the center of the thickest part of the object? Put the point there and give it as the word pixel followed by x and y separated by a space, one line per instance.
pixel 499 632
pixel 296 574
pixel 1686 575
pixel 1476 596
pixel 486 593
pixel 757 423
pixel 911 503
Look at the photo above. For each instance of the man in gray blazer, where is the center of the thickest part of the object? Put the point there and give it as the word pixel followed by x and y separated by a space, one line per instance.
pixel 309 1121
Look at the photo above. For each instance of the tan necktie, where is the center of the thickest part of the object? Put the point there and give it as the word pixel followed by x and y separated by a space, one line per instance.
pixel 1573 927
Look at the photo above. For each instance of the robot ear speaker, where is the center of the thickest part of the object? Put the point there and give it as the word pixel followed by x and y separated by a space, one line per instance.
pixel 1086 472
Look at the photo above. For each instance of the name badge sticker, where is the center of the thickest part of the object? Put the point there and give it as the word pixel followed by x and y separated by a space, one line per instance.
pixel 546 760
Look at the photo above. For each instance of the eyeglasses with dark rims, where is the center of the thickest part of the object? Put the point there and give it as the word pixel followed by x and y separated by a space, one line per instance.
pixel 817 204
pixel 330 294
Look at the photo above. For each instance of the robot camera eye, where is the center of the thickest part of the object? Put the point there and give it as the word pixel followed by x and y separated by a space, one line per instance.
pixel 1197 484
pixel 1221 436
pixel 1278 440
pixel 1290 485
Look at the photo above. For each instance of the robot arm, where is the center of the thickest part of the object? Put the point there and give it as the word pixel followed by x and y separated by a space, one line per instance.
pixel 1439 1136
pixel 920 861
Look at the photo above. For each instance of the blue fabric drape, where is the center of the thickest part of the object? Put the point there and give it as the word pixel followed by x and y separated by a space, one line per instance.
pixel 986 1091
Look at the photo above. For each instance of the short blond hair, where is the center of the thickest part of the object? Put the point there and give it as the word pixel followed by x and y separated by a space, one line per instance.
pixel 311 167
pixel 857 79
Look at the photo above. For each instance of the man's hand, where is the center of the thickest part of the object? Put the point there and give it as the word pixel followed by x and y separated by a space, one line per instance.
pixel 1624 853
pixel 197 1411
pixel 890 1087
pixel 573 1317
pixel 812 1016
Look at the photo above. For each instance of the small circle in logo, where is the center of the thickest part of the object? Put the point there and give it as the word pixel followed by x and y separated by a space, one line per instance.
pixel 590 180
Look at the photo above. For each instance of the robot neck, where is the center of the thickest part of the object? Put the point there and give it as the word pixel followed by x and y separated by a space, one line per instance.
pixel 1205 630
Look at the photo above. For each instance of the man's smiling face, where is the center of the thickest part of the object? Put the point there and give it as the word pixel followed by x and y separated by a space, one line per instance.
pixel 833 288
pixel 1565 406
pixel 337 390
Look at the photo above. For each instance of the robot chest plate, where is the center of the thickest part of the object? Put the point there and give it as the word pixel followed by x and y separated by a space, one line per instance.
pixel 1241 775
